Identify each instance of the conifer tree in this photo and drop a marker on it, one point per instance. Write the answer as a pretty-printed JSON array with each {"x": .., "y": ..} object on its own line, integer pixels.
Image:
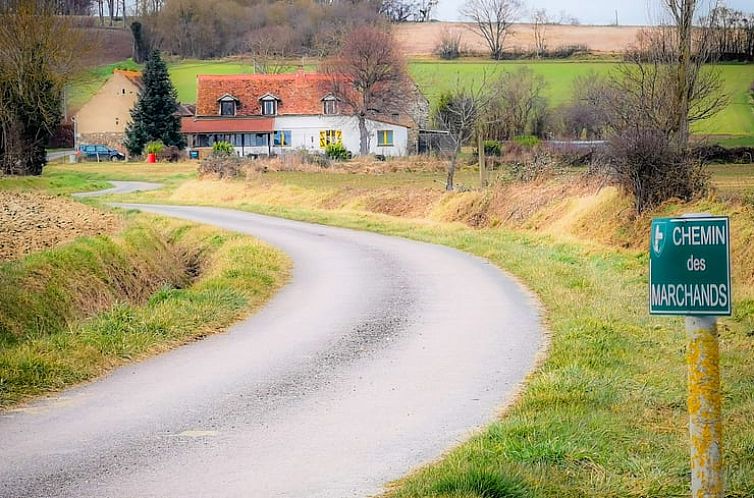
[{"x": 154, "y": 115}]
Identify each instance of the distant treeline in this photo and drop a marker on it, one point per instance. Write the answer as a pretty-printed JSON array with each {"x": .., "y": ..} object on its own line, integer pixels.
[{"x": 732, "y": 33}]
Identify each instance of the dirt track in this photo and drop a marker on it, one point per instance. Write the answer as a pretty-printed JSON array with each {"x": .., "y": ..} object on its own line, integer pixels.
[{"x": 420, "y": 39}]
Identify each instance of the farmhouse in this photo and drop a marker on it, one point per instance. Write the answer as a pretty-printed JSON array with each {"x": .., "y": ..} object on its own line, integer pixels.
[
  {"x": 263, "y": 114},
  {"x": 103, "y": 119}
]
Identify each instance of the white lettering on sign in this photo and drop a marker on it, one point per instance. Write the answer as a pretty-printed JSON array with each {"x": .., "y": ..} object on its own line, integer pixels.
[
  {"x": 689, "y": 295},
  {"x": 697, "y": 235}
]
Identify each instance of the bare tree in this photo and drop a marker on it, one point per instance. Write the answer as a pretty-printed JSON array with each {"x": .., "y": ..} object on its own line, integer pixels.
[
  {"x": 39, "y": 53},
  {"x": 518, "y": 105},
  {"x": 424, "y": 10},
  {"x": 398, "y": 10},
  {"x": 460, "y": 112},
  {"x": 368, "y": 76},
  {"x": 666, "y": 79},
  {"x": 656, "y": 97},
  {"x": 270, "y": 48},
  {"x": 492, "y": 19},
  {"x": 540, "y": 20}
]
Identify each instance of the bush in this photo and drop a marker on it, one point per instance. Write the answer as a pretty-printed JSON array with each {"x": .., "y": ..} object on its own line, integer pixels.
[
  {"x": 542, "y": 165},
  {"x": 449, "y": 45},
  {"x": 337, "y": 152},
  {"x": 222, "y": 148},
  {"x": 222, "y": 166},
  {"x": 527, "y": 141},
  {"x": 492, "y": 147},
  {"x": 154, "y": 147},
  {"x": 722, "y": 155},
  {"x": 645, "y": 165},
  {"x": 170, "y": 154}
]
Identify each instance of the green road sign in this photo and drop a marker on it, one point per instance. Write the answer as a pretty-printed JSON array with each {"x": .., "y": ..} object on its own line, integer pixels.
[{"x": 689, "y": 266}]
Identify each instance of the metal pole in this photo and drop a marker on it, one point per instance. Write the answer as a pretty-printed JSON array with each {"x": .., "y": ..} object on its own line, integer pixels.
[{"x": 704, "y": 405}]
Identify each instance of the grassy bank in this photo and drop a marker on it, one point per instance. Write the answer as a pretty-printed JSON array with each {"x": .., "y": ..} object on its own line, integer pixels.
[
  {"x": 71, "y": 313},
  {"x": 605, "y": 415}
]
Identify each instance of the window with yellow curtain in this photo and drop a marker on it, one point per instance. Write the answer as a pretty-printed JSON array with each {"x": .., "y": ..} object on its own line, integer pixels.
[
  {"x": 384, "y": 138},
  {"x": 327, "y": 137}
]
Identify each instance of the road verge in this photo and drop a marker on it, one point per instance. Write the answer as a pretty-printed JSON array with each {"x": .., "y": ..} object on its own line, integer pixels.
[{"x": 74, "y": 312}]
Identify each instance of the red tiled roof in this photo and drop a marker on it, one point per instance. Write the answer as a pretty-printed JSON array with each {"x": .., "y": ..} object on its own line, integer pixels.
[
  {"x": 227, "y": 125},
  {"x": 299, "y": 93}
]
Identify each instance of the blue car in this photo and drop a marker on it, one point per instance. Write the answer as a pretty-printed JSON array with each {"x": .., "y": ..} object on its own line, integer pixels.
[{"x": 99, "y": 153}]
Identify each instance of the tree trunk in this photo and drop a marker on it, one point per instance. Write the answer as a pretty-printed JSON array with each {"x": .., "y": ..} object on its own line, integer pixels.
[
  {"x": 364, "y": 136},
  {"x": 685, "y": 32},
  {"x": 482, "y": 163},
  {"x": 451, "y": 174}
]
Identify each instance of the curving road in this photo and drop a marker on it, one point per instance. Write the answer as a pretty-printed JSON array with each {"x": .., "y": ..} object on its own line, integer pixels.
[{"x": 380, "y": 354}]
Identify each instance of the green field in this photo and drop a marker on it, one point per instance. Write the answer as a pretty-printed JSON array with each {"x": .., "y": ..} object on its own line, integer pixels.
[{"x": 737, "y": 120}]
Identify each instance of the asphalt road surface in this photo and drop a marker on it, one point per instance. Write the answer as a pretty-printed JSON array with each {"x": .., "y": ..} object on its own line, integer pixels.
[
  {"x": 378, "y": 356},
  {"x": 121, "y": 188}
]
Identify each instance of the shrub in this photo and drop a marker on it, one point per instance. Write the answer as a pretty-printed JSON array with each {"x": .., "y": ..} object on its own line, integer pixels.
[
  {"x": 493, "y": 147},
  {"x": 154, "y": 147},
  {"x": 449, "y": 45},
  {"x": 542, "y": 165},
  {"x": 723, "y": 155},
  {"x": 644, "y": 163},
  {"x": 527, "y": 141},
  {"x": 222, "y": 148},
  {"x": 170, "y": 154},
  {"x": 337, "y": 152},
  {"x": 222, "y": 166}
]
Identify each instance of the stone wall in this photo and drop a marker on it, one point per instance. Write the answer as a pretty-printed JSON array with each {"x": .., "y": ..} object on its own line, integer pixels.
[{"x": 113, "y": 140}]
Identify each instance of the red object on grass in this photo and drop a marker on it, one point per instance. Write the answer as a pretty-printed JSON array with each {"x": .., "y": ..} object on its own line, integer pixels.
[{"x": 151, "y": 157}]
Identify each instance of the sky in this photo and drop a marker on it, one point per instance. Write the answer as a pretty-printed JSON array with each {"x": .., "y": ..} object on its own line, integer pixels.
[{"x": 590, "y": 11}]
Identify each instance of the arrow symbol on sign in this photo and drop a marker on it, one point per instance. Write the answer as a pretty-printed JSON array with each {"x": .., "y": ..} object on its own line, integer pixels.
[{"x": 659, "y": 235}]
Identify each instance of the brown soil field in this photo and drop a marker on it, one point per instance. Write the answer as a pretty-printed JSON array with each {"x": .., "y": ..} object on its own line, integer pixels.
[
  {"x": 419, "y": 39},
  {"x": 32, "y": 222}
]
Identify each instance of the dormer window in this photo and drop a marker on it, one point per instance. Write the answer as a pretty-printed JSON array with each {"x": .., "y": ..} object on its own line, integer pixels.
[
  {"x": 228, "y": 105},
  {"x": 269, "y": 104},
  {"x": 330, "y": 105},
  {"x": 227, "y": 108}
]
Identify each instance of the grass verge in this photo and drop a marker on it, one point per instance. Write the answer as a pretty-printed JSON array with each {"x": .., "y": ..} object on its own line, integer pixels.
[
  {"x": 69, "y": 314},
  {"x": 605, "y": 415}
]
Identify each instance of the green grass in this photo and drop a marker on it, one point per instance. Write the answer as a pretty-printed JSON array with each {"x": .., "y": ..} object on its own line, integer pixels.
[
  {"x": 63, "y": 178},
  {"x": 71, "y": 313},
  {"x": 184, "y": 73},
  {"x": 436, "y": 77}
]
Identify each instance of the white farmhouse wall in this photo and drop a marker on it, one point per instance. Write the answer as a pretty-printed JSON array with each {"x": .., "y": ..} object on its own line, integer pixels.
[{"x": 305, "y": 133}]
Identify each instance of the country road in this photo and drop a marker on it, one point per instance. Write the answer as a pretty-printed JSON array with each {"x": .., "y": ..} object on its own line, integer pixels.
[{"x": 379, "y": 355}]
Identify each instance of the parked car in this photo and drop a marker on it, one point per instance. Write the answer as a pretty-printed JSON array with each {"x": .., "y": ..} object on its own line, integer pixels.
[{"x": 99, "y": 153}]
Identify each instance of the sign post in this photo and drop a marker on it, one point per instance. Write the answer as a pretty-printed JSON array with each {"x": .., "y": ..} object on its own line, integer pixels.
[{"x": 689, "y": 274}]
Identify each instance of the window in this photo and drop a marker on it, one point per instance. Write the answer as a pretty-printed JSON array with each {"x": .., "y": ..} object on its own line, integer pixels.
[
  {"x": 269, "y": 107},
  {"x": 227, "y": 108},
  {"x": 327, "y": 137},
  {"x": 330, "y": 106},
  {"x": 282, "y": 138},
  {"x": 385, "y": 138},
  {"x": 257, "y": 140}
]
